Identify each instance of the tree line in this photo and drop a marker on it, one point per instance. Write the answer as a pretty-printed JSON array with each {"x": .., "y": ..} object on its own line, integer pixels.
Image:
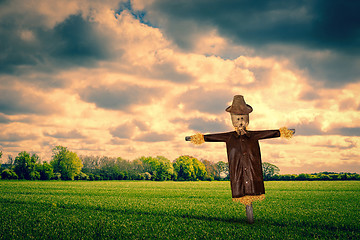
[{"x": 67, "y": 165}]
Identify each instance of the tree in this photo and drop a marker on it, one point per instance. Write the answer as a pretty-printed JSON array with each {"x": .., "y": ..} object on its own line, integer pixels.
[
  {"x": 269, "y": 170},
  {"x": 184, "y": 168},
  {"x": 199, "y": 169},
  {"x": 150, "y": 165},
  {"x": 210, "y": 169},
  {"x": 25, "y": 166},
  {"x": 303, "y": 176},
  {"x": 8, "y": 174},
  {"x": 165, "y": 169},
  {"x": 91, "y": 164},
  {"x": 45, "y": 170},
  {"x": 65, "y": 162},
  {"x": 159, "y": 167},
  {"x": 189, "y": 168},
  {"x": 109, "y": 170},
  {"x": 10, "y": 160}
]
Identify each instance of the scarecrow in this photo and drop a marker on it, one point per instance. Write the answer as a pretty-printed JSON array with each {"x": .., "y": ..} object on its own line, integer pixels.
[{"x": 243, "y": 150}]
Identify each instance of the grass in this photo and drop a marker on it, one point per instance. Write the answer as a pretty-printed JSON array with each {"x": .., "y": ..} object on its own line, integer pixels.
[{"x": 176, "y": 210}]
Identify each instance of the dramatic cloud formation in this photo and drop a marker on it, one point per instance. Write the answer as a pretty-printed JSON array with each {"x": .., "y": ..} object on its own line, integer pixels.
[
  {"x": 321, "y": 36},
  {"x": 133, "y": 78}
]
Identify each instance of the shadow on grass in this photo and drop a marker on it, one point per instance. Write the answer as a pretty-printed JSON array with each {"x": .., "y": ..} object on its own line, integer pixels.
[{"x": 268, "y": 222}]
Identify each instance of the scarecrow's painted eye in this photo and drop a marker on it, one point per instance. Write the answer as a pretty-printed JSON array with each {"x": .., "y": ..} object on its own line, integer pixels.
[
  {"x": 238, "y": 118},
  {"x": 242, "y": 118}
]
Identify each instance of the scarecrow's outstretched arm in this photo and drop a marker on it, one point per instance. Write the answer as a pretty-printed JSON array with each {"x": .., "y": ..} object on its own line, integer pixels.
[{"x": 200, "y": 138}]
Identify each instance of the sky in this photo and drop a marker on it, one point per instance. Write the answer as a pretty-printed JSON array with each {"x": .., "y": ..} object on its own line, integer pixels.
[{"x": 133, "y": 78}]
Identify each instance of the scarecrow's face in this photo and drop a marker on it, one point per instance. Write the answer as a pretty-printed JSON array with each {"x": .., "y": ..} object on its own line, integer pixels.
[{"x": 240, "y": 121}]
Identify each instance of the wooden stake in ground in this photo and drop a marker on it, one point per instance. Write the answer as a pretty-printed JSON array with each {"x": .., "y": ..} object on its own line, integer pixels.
[{"x": 250, "y": 213}]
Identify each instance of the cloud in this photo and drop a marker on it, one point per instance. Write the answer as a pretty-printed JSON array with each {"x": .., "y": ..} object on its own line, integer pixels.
[
  {"x": 154, "y": 137},
  {"x": 13, "y": 101},
  {"x": 208, "y": 101},
  {"x": 137, "y": 131},
  {"x": 141, "y": 125},
  {"x": 348, "y": 104},
  {"x": 120, "y": 98},
  {"x": 169, "y": 71},
  {"x": 4, "y": 118},
  {"x": 73, "y": 134},
  {"x": 118, "y": 141},
  {"x": 309, "y": 95},
  {"x": 348, "y": 143},
  {"x": 17, "y": 137},
  {"x": 76, "y": 41},
  {"x": 204, "y": 125},
  {"x": 310, "y": 128},
  {"x": 125, "y": 130},
  {"x": 347, "y": 131},
  {"x": 353, "y": 165},
  {"x": 328, "y": 31},
  {"x": 321, "y": 24}
]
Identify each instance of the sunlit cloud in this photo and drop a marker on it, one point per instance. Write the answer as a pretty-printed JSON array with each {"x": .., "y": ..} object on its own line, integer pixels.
[{"x": 133, "y": 78}]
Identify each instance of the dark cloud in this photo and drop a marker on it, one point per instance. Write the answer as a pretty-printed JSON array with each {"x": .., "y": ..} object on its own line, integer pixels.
[
  {"x": 17, "y": 102},
  {"x": 119, "y": 141},
  {"x": 314, "y": 128},
  {"x": 154, "y": 137},
  {"x": 255, "y": 22},
  {"x": 308, "y": 128},
  {"x": 204, "y": 125},
  {"x": 73, "y": 134},
  {"x": 214, "y": 101},
  {"x": 352, "y": 157},
  {"x": 125, "y": 130},
  {"x": 309, "y": 95},
  {"x": 335, "y": 69},
  {"x": 17, "y": 137},
  {"x": 4, "y": 118},
  {"x": 349, "y": 145},
  {"x": 26, "y": 42},
  {"x": 120, "y": 99},
  {"x": 77, "y": 39},
  {"x": 293, "y": 26},
  {"x": 347, "y": 131},
  {"x": 348, "y": 104}
]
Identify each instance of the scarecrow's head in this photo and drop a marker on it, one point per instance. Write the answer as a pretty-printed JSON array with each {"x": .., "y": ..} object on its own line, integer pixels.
[{"x": 239, "y": 111}]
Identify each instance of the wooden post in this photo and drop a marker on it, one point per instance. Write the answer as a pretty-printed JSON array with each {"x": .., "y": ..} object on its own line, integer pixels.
[{"x": 250, "y": 213}]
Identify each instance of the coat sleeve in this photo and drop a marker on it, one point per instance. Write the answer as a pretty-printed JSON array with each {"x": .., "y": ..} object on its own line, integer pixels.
[
  {"x": 216, "y": 137},
  {"x": 267, "y": 134}
]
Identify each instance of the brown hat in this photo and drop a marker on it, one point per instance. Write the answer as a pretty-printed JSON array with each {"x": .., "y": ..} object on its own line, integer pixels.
[{"x": 239, "y": 106}]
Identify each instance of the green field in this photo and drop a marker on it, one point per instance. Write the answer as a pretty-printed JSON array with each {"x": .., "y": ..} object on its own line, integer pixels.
[{"x": 176, "y": 210}]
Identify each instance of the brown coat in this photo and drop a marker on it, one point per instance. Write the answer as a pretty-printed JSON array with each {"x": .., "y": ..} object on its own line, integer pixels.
[{"x": 244, "y": 158}]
